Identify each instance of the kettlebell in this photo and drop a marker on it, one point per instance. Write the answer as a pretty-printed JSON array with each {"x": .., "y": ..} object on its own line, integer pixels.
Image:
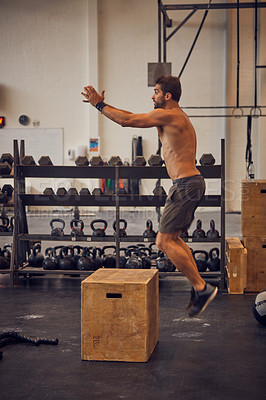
[
  {"x": 201, "y": 258},
  {"x": 134, "y": 260},
  {"x": 77, "y": 252},
  {"x": 109, "y": 259},
  {"x": 154, "y": 253},
  {"x": 76, "y": 231},
  {"x": 163, "y": 263},
  {"x": 57, "y": 231},
  {"x": 50, "y": 261},
  {"x": 85, "y": 262},
  {"x": 4, "y": 264},
  {"x": 66, "y": 260},
  {"x": 122, "y": 231},
  {"x": 35, "y": 259},
  {"x": 98, "y": 232},
  {"x": 149, "y": 232},
  {"x": 199, "y": 232},
  {"x": 214, "y": 260},
  {"x": 96, "y": 257},
  {"x": 122, "y": 258},
  {"x": 5, "y": 223},
  {"x": 11, "y": 224},
  {"x": 212, "y": 232},
  {"x": 145, "y": 254}
]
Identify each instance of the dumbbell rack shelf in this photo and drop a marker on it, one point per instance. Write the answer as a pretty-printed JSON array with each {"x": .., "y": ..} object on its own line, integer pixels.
[{"x": 22, "y": 240}]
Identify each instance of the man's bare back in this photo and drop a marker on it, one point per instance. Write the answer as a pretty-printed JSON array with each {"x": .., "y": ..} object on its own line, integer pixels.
[{"x": 179, "y": 145}]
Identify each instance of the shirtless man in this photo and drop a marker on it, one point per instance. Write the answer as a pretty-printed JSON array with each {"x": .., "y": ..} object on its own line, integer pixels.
[{"x": 178, "y": 141}]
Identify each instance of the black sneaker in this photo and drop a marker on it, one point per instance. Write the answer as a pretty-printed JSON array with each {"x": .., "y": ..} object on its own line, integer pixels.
[{"x": 202, "y": 299}]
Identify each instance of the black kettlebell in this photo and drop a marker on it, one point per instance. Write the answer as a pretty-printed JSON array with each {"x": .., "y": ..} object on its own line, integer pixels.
[
  {"x": 77, "y": 226},
  {"x": 77, "y": 252},
  {"x": 109, "y": 259},
  {"x": 4, "y": 263},
  {"x": 5, "y": 223},
  {"x": 145, "y": 254},
  {"x": 149, "y": 232},
  {"x": 66, "y": 260},
  {"x": 201, "y": 258},
  {"x": 11, "y": 224},
  {"x": 50, "y": 261},
  {"x": 96, "y": 253},
  {"x": 134, "y": 260},
  {"x": 122, "y": 231},
  {"x": 57, "y": 231},
  {"x": 57, "y": 251},
  {"x": 154, "y": 253},
  {"x": 7, "y": 253},
  {"x": 85, "y": 262},
  {"x": 212, "y": 232},
  {"x": 36, "y": 258},
  {"x": 199, "y": 232},
  {"x": 214, "y": 260},
  {"x": 122, "y": 258},
  {"x": 163, "y": 263},
  {"x": 98, "y": 232}
]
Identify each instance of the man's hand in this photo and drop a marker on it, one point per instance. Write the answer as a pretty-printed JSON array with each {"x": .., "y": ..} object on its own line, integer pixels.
[{"x": 92, "y": 96}]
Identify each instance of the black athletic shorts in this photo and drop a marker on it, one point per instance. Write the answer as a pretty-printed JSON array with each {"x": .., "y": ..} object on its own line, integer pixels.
[{"x": 183, "y": 199}]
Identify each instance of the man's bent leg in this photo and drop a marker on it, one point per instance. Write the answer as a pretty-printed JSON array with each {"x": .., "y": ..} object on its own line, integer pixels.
[{"x": 180, "y": 257}]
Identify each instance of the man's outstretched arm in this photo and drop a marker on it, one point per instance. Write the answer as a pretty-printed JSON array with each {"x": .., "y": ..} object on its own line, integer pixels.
[{"x": 125, "y": 118}]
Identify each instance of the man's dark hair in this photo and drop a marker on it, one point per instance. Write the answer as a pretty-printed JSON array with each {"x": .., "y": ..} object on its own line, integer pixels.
[{"x": 170, "y": 84}]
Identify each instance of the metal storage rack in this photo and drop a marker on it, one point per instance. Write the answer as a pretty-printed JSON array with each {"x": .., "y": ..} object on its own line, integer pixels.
[{"x": 23, "y": 240}]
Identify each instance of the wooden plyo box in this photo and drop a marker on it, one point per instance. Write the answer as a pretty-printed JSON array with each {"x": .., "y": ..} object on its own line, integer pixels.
[
  {"x": 253, "y": 208},
  {"x": 256, "y": 263},
  {"x": 119, "y": 315},
  {"x": 236, "y": 265}
]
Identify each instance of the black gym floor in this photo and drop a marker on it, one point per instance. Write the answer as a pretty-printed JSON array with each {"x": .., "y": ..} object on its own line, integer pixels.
[{"x": 219, "y": 355}]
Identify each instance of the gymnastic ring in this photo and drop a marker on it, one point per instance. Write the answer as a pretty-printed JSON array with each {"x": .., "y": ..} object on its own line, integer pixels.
[
  {"x": 256, "y": 115},
  {"x": 237, "y": 115}
]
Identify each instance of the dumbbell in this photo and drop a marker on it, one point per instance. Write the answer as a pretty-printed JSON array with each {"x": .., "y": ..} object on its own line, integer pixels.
[
  {"x": 28, "y": 160},
  {"x": 57, "y": 231},
  {"x": 75, "y": 231},
  {"x": 82, "y": 161},
  {"x": 84, "y": 192},
  {"x": 48, "y": 191},
  {"x": 7, "y": 157},
  {"x": 115, "y": 160},
  {"x": 212, "y": 232},
  {"x": 45, "y": 160},
  {"x": 98, "y": 232},
  {"x": 72, "y": 192},
  {"x": 6, "y": 162},
  {"x": 207, "y": 159},
  {"x": 155, "y": 160},
  {"x": 61, "y": 191},
  {"x": 96, "y": 161},
  {"x": 199, "y": 232},
  {"x": 122, "y": 231},
  {"x": 139, "y": 161}
]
